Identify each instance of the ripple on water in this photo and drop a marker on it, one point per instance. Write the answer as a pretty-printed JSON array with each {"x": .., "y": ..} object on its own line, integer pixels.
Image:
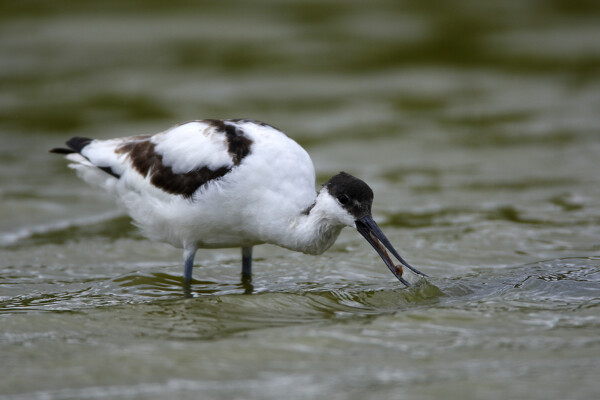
[
  {"x": 552, "y": 293},
  {"x": 155, "y": 304},
  {"x": 215, "y": 316}
]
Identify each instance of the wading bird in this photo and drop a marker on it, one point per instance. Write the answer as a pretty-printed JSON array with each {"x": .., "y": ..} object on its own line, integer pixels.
[{"x": 228, "y": 183}]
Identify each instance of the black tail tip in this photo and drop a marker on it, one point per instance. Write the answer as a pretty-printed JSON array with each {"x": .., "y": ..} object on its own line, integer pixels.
[
  {"x": 76, "y": 144},
  {"x": 61, "y": 150}
]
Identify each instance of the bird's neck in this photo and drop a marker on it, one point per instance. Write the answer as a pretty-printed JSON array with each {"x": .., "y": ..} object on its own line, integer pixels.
[{"x": 312, "y": 231}]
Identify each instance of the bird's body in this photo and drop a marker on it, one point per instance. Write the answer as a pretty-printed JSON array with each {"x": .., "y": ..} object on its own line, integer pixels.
[{"x": 221, "y": 183}]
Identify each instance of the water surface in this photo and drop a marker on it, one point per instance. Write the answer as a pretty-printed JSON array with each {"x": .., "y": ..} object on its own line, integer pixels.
[{"x": 476, "y": 126}]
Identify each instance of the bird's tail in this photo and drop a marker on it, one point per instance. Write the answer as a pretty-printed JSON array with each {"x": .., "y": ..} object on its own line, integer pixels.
[
  {"x": 86, "y": 168},
  {"x": 76, "y": 144}
]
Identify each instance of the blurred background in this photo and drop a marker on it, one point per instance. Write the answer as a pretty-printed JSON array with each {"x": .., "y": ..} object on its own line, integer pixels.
[{"x": 476, "y": 124}]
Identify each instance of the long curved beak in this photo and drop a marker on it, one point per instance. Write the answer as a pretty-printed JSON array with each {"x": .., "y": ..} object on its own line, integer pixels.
[{"x": 369, "y": 229}]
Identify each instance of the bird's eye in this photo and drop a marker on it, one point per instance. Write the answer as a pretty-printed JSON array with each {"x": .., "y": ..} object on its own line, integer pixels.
[{"x": 343, "y": 199}]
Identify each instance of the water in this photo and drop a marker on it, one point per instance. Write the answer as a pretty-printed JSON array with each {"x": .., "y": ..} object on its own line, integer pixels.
[{"x": 475, "y": 124}]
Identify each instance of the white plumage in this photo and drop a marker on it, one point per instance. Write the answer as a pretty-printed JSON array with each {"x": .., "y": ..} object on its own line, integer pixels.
[{"x": 227, "y": 183}]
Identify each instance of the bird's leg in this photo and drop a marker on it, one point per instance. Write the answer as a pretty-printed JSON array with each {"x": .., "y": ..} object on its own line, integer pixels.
[
  {"x": 247, "y": 270},
  {"x": 246, "y": 262},
  {"x": 188, "y": 255}
]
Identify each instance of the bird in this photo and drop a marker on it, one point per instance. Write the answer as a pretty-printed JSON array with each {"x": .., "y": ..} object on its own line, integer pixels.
[{"x": 225, "y": 183}]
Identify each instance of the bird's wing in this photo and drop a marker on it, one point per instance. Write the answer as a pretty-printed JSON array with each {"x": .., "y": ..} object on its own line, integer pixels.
[{"x": 177, "y": 161}]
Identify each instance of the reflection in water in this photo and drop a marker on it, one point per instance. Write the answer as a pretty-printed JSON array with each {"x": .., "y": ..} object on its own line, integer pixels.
[
  {"x": 189, "y": 291},
  {"x": 247, "y": 284}
]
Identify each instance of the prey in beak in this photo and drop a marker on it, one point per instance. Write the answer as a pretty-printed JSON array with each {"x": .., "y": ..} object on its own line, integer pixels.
[
  {"x": 367, "y": 227},
  {"x": 354, "y": 199}
]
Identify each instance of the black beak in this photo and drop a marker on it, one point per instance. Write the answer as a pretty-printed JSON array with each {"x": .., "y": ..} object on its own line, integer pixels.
[{"x": 369, "y": 229}]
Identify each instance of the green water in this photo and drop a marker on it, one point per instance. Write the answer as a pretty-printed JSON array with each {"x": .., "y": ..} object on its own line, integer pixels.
[{"x": 476, "y": 125}]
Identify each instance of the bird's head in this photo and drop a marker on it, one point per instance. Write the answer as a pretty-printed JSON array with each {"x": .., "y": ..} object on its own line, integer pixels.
[{"x": 349, "y": 201}]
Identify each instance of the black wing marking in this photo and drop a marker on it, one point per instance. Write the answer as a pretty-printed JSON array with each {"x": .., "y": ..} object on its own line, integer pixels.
[{"x": 148, "y": 162}]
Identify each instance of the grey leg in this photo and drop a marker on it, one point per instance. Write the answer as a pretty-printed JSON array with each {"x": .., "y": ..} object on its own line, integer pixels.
[
  {"x": 188, "y": 255},
  {"x": 246, "y": 262}
]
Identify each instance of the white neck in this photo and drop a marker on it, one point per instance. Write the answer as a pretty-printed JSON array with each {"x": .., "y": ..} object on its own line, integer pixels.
[{"x": 315, "y": 231}]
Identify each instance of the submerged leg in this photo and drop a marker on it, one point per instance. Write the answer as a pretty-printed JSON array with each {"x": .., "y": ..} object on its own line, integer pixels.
[
  {"x": 246, "y": 262},
  {"x": 247, "y": 270},
  {"x": 188, "y": 255}
]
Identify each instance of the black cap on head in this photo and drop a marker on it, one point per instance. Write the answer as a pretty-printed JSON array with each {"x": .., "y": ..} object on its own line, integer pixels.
[{"x": 353, "y": 194}]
